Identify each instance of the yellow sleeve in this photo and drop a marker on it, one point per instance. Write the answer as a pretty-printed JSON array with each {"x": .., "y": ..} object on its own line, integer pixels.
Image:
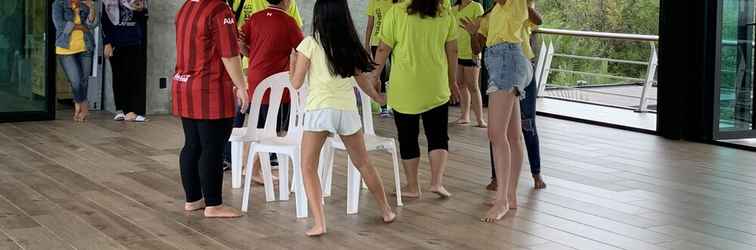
[
  {"x": 478, "y": 10},
  {"x": 294, "y": 12},
  {"x": 388, "y": 28},
  {"x": 483, "y": 29},
  {"x": 371, "y": 8},
  {"x": 453, "y": 31},
  {"x": 307, "y": 46}
]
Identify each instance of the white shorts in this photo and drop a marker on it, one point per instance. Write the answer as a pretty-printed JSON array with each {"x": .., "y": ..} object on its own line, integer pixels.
[{"x": 332, "y": 121}]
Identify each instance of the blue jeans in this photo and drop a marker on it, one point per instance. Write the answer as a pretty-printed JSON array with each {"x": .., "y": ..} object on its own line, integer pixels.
[
  {"x": 77, "y": 67},
  {"x": 529, "y": 131}
]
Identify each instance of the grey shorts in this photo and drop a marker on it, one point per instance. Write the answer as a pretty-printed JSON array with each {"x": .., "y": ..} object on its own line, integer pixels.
[
  {"x": 336, "y": 122},
  {"x": 508, "y": 68}
]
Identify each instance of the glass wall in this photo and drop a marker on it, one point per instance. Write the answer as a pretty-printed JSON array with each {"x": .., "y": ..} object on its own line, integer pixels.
[
  {"x": 24, "y": 60},
  {"x": 736, "y": 68}
]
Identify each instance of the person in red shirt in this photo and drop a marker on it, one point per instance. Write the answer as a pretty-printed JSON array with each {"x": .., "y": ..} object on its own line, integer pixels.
[
  {"x": 267, "y": 39},
  {"x": 208, "y": 67}
]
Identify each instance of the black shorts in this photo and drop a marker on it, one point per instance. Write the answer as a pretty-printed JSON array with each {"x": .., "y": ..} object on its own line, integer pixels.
[
  {"x": 468, "y": 63},
  {"x": 435, "y": 123}
]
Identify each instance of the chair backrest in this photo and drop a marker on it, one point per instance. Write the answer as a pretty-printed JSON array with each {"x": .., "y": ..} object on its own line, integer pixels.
[
  {"x": 367, "y": 111},
  {"x": 276, "y": 84}
]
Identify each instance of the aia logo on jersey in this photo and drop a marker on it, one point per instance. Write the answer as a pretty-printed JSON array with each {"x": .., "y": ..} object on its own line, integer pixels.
[{"x": 228, "y": 21}]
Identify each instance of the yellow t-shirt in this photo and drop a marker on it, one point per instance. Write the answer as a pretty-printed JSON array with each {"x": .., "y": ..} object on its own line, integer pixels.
[
  {"x": 505, "y": 23},
  {"x": 76, "y": 44},
  {"x": 325, "y": 91},
  {"x": 527, "y": 49},
  {"x": 419, "y": 72},
  {"x": 377, "y": 9},
  {"x": 464, "y": 44},
  {"x": 253, "y": 6}
]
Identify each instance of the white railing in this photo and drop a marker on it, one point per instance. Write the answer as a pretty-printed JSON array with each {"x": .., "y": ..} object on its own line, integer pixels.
[{"x": 548, "y": 52}]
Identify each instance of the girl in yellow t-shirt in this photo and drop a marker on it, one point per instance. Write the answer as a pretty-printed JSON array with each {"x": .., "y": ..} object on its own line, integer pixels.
[
  {"x": 509, "y": 73},
  {"x": 330, "y": 61},
  {"x": 468, "y": 69}
]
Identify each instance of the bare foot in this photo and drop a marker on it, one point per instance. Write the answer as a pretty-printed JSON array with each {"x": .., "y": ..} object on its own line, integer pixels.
[
  {"x": 260, "y": 181},
  {"x": 490, "y": 202},
  {"x": 221, "y": 211},
  {"x": 481, "y": 124},
  {"x": 492, "y": 186},
  {"x": 194, "y": 206},
  {"x": 512, "y": 202},
  {"x": 83, "y": 112},
  {"x": 539, "y": 184},
  {"x": 130, "y": 117},
  {"x": 316, "y": 230},
  {"x": 407, "y": 192},
  {"x": 389, "y": 217},
  {"x": 461, "y": 121},
  {"x": 495, "y": 213},
  {"x": 441, "y": 192},
  {"x": 77, "y": 111}
]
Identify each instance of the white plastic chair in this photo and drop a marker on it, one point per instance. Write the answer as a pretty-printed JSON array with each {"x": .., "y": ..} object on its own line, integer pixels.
[
  {"x": 287, "y": 146},
  {"x": 354, "y": 179}
]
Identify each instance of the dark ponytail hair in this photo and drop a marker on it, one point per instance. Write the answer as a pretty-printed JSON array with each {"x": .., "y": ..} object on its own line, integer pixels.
[
  {"x": 333, "y": 28},
  {"x": 424, "y": 8}
]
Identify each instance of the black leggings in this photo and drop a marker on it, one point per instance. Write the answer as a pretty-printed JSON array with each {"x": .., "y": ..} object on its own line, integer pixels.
[
  {"x": 202, "y": 159},
  {"x": 129, "y": 67},
  {"x": 436, "y": 131}
]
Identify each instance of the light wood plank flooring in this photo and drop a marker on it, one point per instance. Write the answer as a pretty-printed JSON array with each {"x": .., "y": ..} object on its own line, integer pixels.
[{"x": 114, "y": 185}]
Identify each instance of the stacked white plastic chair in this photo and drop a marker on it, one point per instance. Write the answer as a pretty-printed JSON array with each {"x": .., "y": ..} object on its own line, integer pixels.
[
  {"x": 354, "y": 179},
  {"x": 286, "y": 147}
]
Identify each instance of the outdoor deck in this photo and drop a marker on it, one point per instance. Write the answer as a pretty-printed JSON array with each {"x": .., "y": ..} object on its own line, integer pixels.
[{"x": 113, "y": 185}]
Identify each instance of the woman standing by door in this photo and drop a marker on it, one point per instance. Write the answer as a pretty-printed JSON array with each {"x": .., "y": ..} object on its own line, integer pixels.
[
  {"x": 74, "y": 43},
  {"x": 124, "y": 39}
]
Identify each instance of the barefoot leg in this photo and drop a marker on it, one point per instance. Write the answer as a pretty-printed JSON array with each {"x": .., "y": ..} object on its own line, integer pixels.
[
  {"x": 438, "y": 167},
  {"x": 77, "y": 111},
  {"x": 514, "y": 135},
  {"x": 464, "y": 99},
  {"x": 476, "y": 101},
  {"x": 312, "y": 142},
  {"x": 84, "y": 111},
  {"x": 194, "y": 206},
  {"x": 355, "y": 145},
  {"x": 500, "y": 113}
]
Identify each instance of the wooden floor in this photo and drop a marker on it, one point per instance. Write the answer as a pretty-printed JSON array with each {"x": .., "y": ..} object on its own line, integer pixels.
[{"x": 112, "y": 185}]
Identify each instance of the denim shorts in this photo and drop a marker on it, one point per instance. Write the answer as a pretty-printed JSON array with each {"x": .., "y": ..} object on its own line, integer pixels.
[{"x": 508, "y": 68}]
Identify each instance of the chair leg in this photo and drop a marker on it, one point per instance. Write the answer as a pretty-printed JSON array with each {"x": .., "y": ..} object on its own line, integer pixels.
[
  {"x": 283, "y": 177},
  {"x": 236, "y": 164},
  {"x": 247, "y": 184},
  {"x": 270, "y": 194},
  {"x": 326, "y": 165},
  {"x": 299, "y": 193},
  {"x": 397, "y": 177},
  {"x": 354, "y": 180}
]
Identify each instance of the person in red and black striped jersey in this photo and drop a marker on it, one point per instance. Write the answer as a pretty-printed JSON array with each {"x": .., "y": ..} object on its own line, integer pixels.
[{"x": 208, "y": 72}]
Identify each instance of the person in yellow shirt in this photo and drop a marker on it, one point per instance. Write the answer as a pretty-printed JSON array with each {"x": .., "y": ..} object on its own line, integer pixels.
[
  {"x": 528, "y": 106},
  {"x": 245, "y": 8},
  {"x": 376, "y": 11},
  {"x": 421, "y": 35},
  {"x": 74, "y": 21},
  {"x": 332, "y": 59},
  {"x": 469, "y": 65},
  {"x": 509, "y": 72}
]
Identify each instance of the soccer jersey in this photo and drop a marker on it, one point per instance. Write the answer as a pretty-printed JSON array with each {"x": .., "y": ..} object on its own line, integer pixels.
[{"x": 205, "y": 33}]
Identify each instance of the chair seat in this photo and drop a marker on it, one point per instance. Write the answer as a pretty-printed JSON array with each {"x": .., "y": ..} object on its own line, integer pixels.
[
  {"x": 372, "y": 143},
  {"x": 240, "y": 135}
]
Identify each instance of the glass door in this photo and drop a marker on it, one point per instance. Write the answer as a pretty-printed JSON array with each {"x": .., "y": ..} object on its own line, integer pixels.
[
  {"x": 734, "y": 111},
  {"x": 26, "y": 60}
]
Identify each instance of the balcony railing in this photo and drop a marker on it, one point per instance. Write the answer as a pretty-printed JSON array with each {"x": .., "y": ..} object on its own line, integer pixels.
[{"x": 636, "y": 91}]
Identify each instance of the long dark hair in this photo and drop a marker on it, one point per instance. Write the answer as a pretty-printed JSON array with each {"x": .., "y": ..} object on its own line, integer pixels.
[
  {"x": 424, "y": 8},
  {"x": 332, "y": 24}
]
